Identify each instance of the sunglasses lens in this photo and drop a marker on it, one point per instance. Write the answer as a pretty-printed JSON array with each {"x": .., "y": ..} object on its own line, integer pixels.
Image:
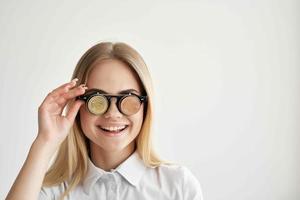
[
  {"x": 130, "y": 105},
  {"x": 97, "y": 104}
]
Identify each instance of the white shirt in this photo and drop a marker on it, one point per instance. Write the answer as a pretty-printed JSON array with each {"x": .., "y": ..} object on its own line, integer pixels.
[{"x": 132, "y": 180}]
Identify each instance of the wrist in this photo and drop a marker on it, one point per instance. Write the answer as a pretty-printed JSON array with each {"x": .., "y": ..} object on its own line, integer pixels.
[{"x": 44, "y": 147}]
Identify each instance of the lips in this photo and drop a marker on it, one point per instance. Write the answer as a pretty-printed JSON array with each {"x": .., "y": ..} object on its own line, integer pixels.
[{"x": 114, "y": 130}]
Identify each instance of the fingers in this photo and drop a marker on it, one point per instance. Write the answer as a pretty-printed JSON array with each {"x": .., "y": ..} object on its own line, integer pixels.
[
  {"x": 74, "y": 110},
  {"x": 64, "y": 88},
  {"x": 56, "y": 93},
  {"x": 64, "y": 98}
]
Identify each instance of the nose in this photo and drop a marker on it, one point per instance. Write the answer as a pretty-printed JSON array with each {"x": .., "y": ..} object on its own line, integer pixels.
[{"x": 113, "y": 111}]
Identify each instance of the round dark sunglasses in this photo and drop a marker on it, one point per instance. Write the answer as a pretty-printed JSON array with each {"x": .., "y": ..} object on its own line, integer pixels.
[{"x": 98, "y": 103}]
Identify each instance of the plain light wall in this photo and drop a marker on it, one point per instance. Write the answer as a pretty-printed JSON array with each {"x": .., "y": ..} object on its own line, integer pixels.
[{"x": 226, "y": 75}]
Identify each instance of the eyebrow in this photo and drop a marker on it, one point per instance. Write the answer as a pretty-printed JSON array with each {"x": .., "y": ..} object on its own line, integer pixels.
[{"x": 120, "y": 92}]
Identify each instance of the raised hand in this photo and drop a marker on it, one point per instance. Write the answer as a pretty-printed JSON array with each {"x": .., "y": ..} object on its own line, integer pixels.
[{"x": 53, "y": 126}]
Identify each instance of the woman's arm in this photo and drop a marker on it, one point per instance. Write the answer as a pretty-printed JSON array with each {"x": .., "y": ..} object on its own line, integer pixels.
[
  {"x": 29, "y": 181},
  {"x": 53, "y": 128}
]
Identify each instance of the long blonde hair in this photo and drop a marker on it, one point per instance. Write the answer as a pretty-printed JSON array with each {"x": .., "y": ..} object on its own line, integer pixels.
[{"x": 75, "y": 148}]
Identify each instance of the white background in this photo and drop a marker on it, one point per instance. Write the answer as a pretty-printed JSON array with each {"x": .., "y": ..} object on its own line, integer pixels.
[{"x": 226, "y": 75}]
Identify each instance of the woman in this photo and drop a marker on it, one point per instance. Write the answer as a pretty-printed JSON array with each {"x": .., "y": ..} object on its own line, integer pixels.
[{"x": 103, "y": 137}]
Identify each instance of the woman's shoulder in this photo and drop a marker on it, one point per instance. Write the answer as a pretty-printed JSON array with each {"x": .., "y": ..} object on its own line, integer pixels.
[
  {"x": 180, "y": 176},
  {"x": 175, "y": 171},
  {"x": 171, "y": 169},
  {"x": 52, "y": 192}
]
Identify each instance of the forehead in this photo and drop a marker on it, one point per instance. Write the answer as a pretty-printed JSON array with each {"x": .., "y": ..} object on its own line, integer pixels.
[{"x": 113, "y": 76}]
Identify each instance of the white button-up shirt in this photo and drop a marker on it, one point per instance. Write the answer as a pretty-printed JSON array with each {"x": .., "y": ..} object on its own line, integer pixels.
[{"x": 132, "y": 180}]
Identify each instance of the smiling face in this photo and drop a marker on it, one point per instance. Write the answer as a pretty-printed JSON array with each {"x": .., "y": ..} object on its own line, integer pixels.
[{"x": 113, "y": 77}]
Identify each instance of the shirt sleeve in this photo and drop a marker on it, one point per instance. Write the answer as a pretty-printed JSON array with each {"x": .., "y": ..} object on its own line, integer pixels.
[
  {"x": 191, "y": 187},
  {"x": 53, "y": 192}
]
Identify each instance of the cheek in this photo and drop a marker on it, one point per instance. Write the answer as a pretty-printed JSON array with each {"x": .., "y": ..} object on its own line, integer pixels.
[
  {"x": 85, "y": 120},
  {"x": 137, "y": 121}
]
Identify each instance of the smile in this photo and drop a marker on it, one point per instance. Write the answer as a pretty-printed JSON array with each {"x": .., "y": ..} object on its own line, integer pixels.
[{"x": 113, "y": 130}]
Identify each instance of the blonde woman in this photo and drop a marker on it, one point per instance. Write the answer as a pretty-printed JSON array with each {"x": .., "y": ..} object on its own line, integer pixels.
[{"x": 100, "y": 123}]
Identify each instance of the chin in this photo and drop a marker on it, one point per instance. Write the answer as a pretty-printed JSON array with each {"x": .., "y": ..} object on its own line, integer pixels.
[{"x": 113, "y": 146}]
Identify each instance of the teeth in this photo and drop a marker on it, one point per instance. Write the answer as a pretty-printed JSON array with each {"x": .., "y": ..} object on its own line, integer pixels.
[{"x": 111, "y": 128}]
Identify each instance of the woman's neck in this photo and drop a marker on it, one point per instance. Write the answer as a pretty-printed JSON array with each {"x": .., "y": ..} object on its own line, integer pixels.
[{"x": 108, "y": 160}]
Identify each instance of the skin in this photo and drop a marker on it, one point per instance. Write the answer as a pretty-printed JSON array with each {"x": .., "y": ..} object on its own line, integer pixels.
[
  {"x": 53, "y": 128},
  {"x": 107, "y": 153},
  {"x": 112, "y": 76}
]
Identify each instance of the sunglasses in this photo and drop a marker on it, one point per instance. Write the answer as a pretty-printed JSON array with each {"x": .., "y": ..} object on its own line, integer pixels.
[{"x": 98, "y": 103}]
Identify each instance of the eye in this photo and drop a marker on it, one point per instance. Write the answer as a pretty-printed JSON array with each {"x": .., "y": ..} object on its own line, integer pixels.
[
  {"x": 130, "y": 105},
  {"x": 97, "y": 104}
]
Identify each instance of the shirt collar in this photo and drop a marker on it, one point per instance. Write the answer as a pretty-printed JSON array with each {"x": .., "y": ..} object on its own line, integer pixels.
[{"x": 131, "y": 169}]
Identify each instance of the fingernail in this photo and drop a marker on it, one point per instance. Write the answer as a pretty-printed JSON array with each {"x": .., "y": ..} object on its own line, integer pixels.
[
  {"x": 82, "y": 85},
  {"x": 75, "y": 80}
]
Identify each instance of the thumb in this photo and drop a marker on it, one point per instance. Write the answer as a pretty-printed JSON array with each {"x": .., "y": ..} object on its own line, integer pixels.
[{"x": 74, "y": 110}]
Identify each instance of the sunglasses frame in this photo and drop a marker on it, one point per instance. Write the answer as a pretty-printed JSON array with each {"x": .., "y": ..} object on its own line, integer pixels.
[{"x": 120, "y": 97}]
